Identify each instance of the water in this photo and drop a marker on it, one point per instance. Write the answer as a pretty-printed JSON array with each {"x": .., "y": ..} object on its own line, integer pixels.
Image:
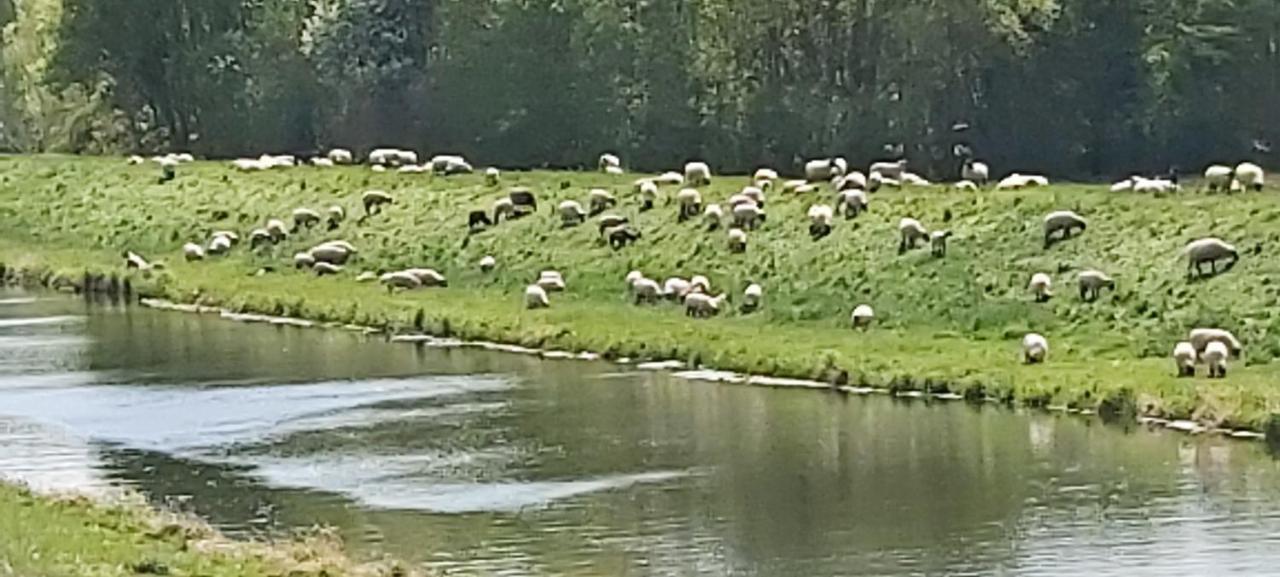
[{"x": 477, "y": 463}]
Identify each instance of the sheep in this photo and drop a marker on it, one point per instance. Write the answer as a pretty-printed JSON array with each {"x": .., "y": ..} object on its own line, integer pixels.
[
  {"x": 938, "y": 243},
  {"x": 794, "y": 185},
  {"x": 1200, "y": 338},
  {"x": 632, "y": 277},
  {"x": 913, "y": 179},
  {"x": 854, "y": 202},
  {"x": 1035, "y": 349},
  {"x": 320, "y": 162},
  {"x": 259, "y": 237},
  {"x": 384, "y": 157},
  {"x": 697, "y": 174},
  {"x": 1184, "y": 358},
  {"x": 326, "y": 269},
  {"x": 976, "y": 172},
  {"x": 673, "y": 179},
  {"x": 535, "y": 297},
  {"x": 571, "y": 214},
  {"x": 503, "y": 207},
  {"x": 748, "y": 215},
  {"x": 403, "y": 280},
  {"x": 303, "y": 260},
  {"x": 862, "y": 316},
  {"x": 737, "y": 240},
  {"x": 488, "y": 263},
  {"x": 135, "y": 160},
  {"x": 609, "y": 221},
  {"x": 699, "y": 283},
  {"x": 648, "y": 194},
  {"x": 853, "y": 181},
  {"x": 478, "y": 220},
  {"x": 608, "y": 160},
  {"x": 676, "y": 288},
  {"x": 889, "y": 170},
  {"x": 1064, "y": 222},
  {"x": 621, "y": 236},
  {"x": 277, "y": 229},
  {"x": 1041, "y": 286},
  {"x": 232, "y": 237},
  {"x": 219, "y": 245},
  {"x": 909, "y": 231},
  {"x": 450, "y": 164},
  {"x": 599, "y": 199},
  {"x": 820, "y": 217},
  {"x": 1215, "y": 356},
  {"x": 754, "y": 194},
  {"x": 342, "y": 244},
  {"x": 551, "y": 280},
  {"x": 712, "y": 215},
  {"x": 1018, "y": 181},
  {"x": 752, "y": 298},
  {"x": 701, "y": 305},
  {"x": 1091, "y": 284},
  {"x": 373, "y": 200},
  {"x": 1209, "y": 250},
  {"x": 428, "y": 277},
  {"x": 492, "y": 176},
  {"x": 192, "y": 251},
  {"x": 690, "y": 202},
  {"x": 1143, "y": 185},
  {"x": 1218, "y": 177},
  {"x": 822, "y": 170},
  {"x": 1125, "y": 185},
  {"x": 304, "y": 218},
  {"x": 521, "y": 196},
  {"x": 646, "y": 290},
  {"x": 328, "y": 253},
  {"x": 247, "y": 165},
  {"x": 341, "y": 156},
  {"x": 764, "y": 175},
  {"x": 1250, "y": 176}
]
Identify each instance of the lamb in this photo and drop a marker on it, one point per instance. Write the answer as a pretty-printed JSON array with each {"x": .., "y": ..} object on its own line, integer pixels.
[
  {"x": 428, "y": 277},
  {"x": 690, "y": 202},
  {"x": 326, "y": 269},
  {"x": 853, "y": 201},
  {"x": 192, "y": 251},
  {"x": 701, "y": 305},
  {"x": 373, "y": 201},
  {"x": 862, "y": 316},
  {"x": 1250, "y": 176},
  {"x": 392, "y": 157},
  {"x": 822, "y": 170},
  {"x": 648, "y": 194},
  {"x": 1209, "y": 250},
  {"x": 1216, "y": 355},
  {"x": 1035, "y": 349},
  {"x": 737, "y": 240},
  {"x": 342, "y": 244},
  {"x": 609, "y": 221},
  {"x": 571, "y": 214},
  {"x": 697, "y": 174},
  {"x": 551, "y": 280},
  {"x": 622, "y": 236},
  {"x": 535, "y": 297},
  {"x": 303, "y": 260},
  {"x": 712, "y": 215},
  {"x": 910, "y": 230},
  {"x": 403, "y": 280},
  {"x": 304, "y": 218},
  {"x": 336, "y": 215},
  {"x": 976, "y": 172},
  {"x": 820, "y": 217},
  {"x": 674, "y": 179},
  {"x": 889, "y": 170},
  {"x": 748, "y": 215},
  {"x": 478, "y": 220},
  {"x": 938, "y": 243},
  {"x": 1200, "y": 339},
  {"x": 752, "y": 298},
  {"x": 521, "y": 196},
  {"x": 277, "y": 230},
  {"x": 599, "y": 199},
  {"x": 1064, "y": 222},
  {"x": 492, "y": 176},
  {"x": 341, "y": 156},
  {"x": 1091, "y": 284},
  {"x": 1184, "y": 358},
  {"x": 646, "y": 290},
  {"x": 487, "y": 264},
  {"x": 1041, "y": 286},
  {"x": 608, "y": 160}
]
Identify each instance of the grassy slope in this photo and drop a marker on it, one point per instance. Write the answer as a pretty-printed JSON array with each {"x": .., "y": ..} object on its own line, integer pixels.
[{"x": 953, "y": 323}]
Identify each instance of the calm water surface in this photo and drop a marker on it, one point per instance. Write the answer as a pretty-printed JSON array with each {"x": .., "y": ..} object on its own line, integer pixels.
[{"x": 475, "y": 463}]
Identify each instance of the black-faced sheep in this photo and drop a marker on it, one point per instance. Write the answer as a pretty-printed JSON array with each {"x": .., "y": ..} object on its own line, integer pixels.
[
  {"x": 701, "y": 305},
  {"x": 599, "y": 200},
  {"x": 1041, "y": 286},
  {"x": 522, "y": 196},
  {"x": 820, "y": 218},
  {"x": 1215, "y": 356},
  {"x": 478, "y": 220},
  {"x": 373, "y": 201},
  {"x": 697, "y": 174},
  {"x": 909, "y": 231},
  {"x": 1062, "y": 223},
  {"x": 1035, "y": 349},
  {"x": 690, "y": 203},
  {"x": 622, "y": 236},
  {"x": 1210, "y": 250},
  {"x": 571, "y": 214},
  {"x": 938, "y": 242},
  {"x": 1091, "y": 284},
  {"x": 1184, "y": 358},
  {"x": 535, "y": 297}
]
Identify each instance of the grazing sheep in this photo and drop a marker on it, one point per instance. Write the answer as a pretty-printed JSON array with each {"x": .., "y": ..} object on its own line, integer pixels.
[
  {"x": 862, "y": 316},
  {"x": 1215, "y": 356},
  {"x": 478, "y": 220},
  {"x": 336, "y": 215},
  {"x": 1218, "y": 177},
  {"x": 332, "y": 254},
  {"x": 535, "y": 297},
  {"x": 754, "y": 194},
  {"x": 648, "y": 194},
  {"x": 1143, "y": 185},
  {"x": 820, "y": 217},
  {"x": 690, "y": 202},
  {"x": 674, "y": 179},
  {"x": 1184, "y": 358},
  {"x": 676, "y": 288},
  {"x": 697, "y": 174},
  {"x": 599, "y": 199},
  {"x": 737, "y": 240},
  {"x": 822, "y": 170},
  {"x": 259, "y": 237},
  {"x": 764, "y": 175},
  {"x": 889, "y": 170},
  {"x": 622, "y": 236},
  {"x": 503, "y": 207},
  {"x": 220, "y": 245},
  {"x": 341, "y": 156},
  {"x": 609, "y": 221},
  {"x": 853, "y": 181},
  {"x": 492, "y": 176},
  {"x": 938, "y": 243},
  {"x": 1209, "y": 250},
  {"x": 428, "y": 277},
  {"x": 608, "y": 160},
  {"x": 748, "y": 215},
  {"x": 702, "y": 305},
  {"x": 646, "y": 290},
  {"x": 699, "y": 283},
  {"x": 304, "y": 218},
  {"x": 909, "y": 231},
  {"x": 551, "y": 280},
  {"x": 1200, "y": 338},
  {"x": 403, "y": 280},
  {"x": 853, "y": 201},
  {"x": 373, "y": 201},
  {"x": 1035, "y": 349},
  {"x": 571, "y": 214},
  {"x": 277, "y": 229},
  {"x": 1018, "y": 181},
  {"x": 752, "y": 298},
  {"x": 488, "y": 263},
  {"x": 1091, "y": 284},
  {"x": 450, "y": 164},
  {"x": 192, "y": 251},
  {"x": 1063, "y": 222},
  {"x": 521, "y": 196},
  {"x": 303, "y": 260},
  {"x": 1250, "y": 176},
  {"x": 1041, "y": 286},
  {"x": 633, "y": 276},
  {"x": 133, "y": 260},
  {"x": 712, "y": 215},
  {"x": 976, "y": 172},
  {"x": 319, "y": 162},
  {"x": 326, "y": 269}
]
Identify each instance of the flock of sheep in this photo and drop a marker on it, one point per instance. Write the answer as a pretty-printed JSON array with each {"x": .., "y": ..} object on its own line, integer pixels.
[{"x": 744, "y": 212}]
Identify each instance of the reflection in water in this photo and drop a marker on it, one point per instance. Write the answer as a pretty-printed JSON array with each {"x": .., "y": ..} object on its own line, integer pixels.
[{"x": 481, "y": 463}]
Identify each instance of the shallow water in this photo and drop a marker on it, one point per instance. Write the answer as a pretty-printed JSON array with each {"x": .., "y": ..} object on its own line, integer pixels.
[{"x": 491, "y": 464}]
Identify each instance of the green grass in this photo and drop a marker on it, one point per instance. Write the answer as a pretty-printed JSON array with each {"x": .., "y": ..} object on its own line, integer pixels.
[
  {"x": 69, "y": 537},
  {"x": 943, "y": 324}
]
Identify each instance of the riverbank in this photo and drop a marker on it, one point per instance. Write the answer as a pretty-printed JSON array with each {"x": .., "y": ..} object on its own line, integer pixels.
[
  {"x": 950, "y": 325},
  {"x": 75, "y": 536}
]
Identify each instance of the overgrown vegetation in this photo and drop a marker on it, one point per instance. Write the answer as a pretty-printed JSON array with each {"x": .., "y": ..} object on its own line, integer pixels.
[{"x": 951, "y": 324}]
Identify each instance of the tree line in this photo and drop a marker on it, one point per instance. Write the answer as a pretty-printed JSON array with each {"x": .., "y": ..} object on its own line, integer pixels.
[{"x": 1079, "y": 88}]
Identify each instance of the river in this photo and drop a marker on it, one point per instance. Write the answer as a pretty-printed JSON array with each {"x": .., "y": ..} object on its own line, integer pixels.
[{"x": 478, "y": 463}]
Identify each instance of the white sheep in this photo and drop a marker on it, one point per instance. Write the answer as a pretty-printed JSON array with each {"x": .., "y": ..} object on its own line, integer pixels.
[
  {"x": 712, "y": 215},
  {"x": 303, "y": 260},
  {"x": 571, "y": 213},
  {"x": 607, "y": 161},
  {"x": 754, "y": 194},
  {"x": 976, "y": 172},
  {"x": 854, "y": 202},
  {"x": 1092, "y": 282},
  {"x": 219, "y": 245},
  {"x": 699, "y": 283},
  {"x": 551, "y": 280},
  {"x": 1250, "y": 176},
  {"x": 764, "y": 185},
  {"x": 646, "y": 290},
  {"x": 822, "y": 170},
  {"x": 378, "y": 168},
  {"x": 248, "y": 165},
  {"x": 690, "y": 203},
  {"x": 232, "y": 237},
  {"x": 326, "y": 269},
  {"x": 135, "y": 160},
  {"x": 492, "y": 176},
  {"x": 1184, "y": 358},
  {"x": 259, "y": 237},
  {"x": 632, "y": 277},
  {"x": 428, "y": 277},
  {"x": 1035, "y": 349},
  {"x": 820, "y": 219},
  {"x": 889, "y": 170},
  {"x": 400, "y": 280},
  {"x": 1143, "y": 185},
  {"x": 599, "y": 199},
  {"x": 794, "y": 185},
  {"x": 488, "y": 263},
  {"x": 648, "y": 194},
  {"x": 535, "y": 297},
  {"x": 737, "y": 240},
  {"x": 192, "y": 251},
  {"x": 1209, "y": 250},
  {"x": 752, "y": 298},
  {"x": 342, "y": 244},
  {"x": 1218, "y": 177},
  {"x": 413, "y": 169},
  {"x": 384, "y": 157},
  {"x": 503, "y": 207},
  {"x": 748, "y": 215},
  {"x": 862, "y": 316},
  {"x": 1215, "y": 356},
  {"x": 341, "y": 156},
  {"x": 277, "y": 229},
  {"x": 1041, "y": 286},
  {"x": 373, "y": 200},
  {"x": 335, "y": 214},
  {"x": 676, "y": 288},
  {"x": 697, "y": 174},
  {"x": 328, "y": 253},
  {"x": 304, "y": 218},
  {"x": 938, "y": 243},
  {"x": 909, "y": 231},
  {"x": 1125, "y": 185},
  {"x": 1018, "y": 181},
  {"x": 1062, "y": 223},
  {"x": 702, "y": 305},
  {"x": 673, "y": 179},
  {"x": 853, "y": 180},
  {"x": 764, "y": 175},
  {"x": 1200, "y": 338}
]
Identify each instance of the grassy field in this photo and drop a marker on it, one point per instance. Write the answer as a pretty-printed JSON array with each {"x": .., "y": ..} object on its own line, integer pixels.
[
  {"x": 943, "y": 324},
  {"x": 73, "y": 537}
]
